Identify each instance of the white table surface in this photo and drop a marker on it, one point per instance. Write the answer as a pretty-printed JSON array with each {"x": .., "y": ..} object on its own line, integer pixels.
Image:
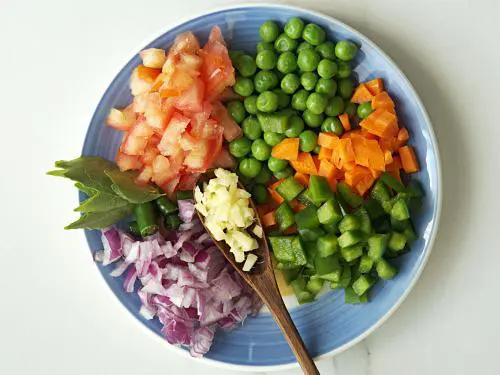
[{"x": 58, "y": 317}]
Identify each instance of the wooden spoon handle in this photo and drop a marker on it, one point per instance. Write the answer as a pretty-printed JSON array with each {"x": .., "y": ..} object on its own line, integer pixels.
[{"x": 275, "y": 303}]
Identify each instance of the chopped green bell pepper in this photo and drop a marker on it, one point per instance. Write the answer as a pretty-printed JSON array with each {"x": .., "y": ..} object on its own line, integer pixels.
[
  {"x": 329, "y": 213},
  {"x": 351, "y": 237},
  {"x": 307, "y": 218},
  {"x": 327, "y": 245},
  {"x": 349, "y": 222},
  {"x": 284, "y": 216},
  {"x": 328, "y": 268},
  {"x": 319, "y": 189},
  {"x": 289, "y": 189},
  {"x": 288, "y": 249},
  {"x": 351, "y": 253},
  {"x": 349, "y": 195}
]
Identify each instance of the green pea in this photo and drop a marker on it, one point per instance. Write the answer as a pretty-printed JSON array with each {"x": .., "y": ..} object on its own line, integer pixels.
[
  {"x": 345, "y": 69},
  {"x": 294, "y": 28},
  {"x": 251, "y": 128},
  {"x": 287, "y": 172},
  {"x": 245, "y": 65},
  {"x": 316, "y": 103},
  {"x": 250, "y": 104},
  {"x": 346, "y": 88},
  {"x": 308, "y": 80},
  {"x": 350, "y": 109},
  {"x": 269, "y": 31},
  {"x": 290, "y": 83},
  {"x": 243, "y": 86},
  {"x": 237, "y": 110},
  {"x": 308, "y": 60},
  {"x": 272, "y": 139},
  {"x": 327, "y": 68},
  {"x": 317, "y": 149},
  {"x": 264, "y": 175},
  {"x": 346, "y": 50},
  {"x": 276, "y": 165},
  {"x": 266, "y": 60},
  {"x": 326, "y": 50},
  {"x": 299, "y": 100},
  {"x": 337, "y": 127},
  {"x": 250, "y": 167},
  {"x": 259, "y": 194},
  {"x": 332, "y": 124},
  {"x": 295, "y": 127},
  {"x": 285, "y": 43},
  {"x": 364, "y": 110},
  {"x": 267, "y": 102},
  {"x": 261, "y": 150},
  {"x": 327, "y": 87},
  {"x": 287, "y": 62},
  {"x": 311, "y": 119},
  {"x": 234, "y": 54},
  {"x": 283, "y": 99},
  {"x": 265, "y": 80},
  {"x": 264, "y": 46},
  {"x": 303, "y": 46},
  {"x": 313, "y": 34},
  {"x": 240, "y": 147},
  {"x": 308, "y": 139},
  {"x": 335, "y": 106}
]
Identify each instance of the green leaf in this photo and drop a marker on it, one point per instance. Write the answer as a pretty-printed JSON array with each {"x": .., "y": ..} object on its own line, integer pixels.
[
  {"x": 88, "y": 170},
  {"x": 125, "y": 186},
  {"x": 100, "y": 202},
  {"x": 85, "y": 189},
  {"x": 99, "y": 220}
]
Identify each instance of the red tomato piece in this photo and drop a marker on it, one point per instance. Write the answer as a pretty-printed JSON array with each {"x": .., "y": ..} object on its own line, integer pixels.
[
  {"x": 170, "y": 186},
  {"x": 231, "y": 128},
  {"x": 145, "y": 176},
  {"x": 137, "y": 140},
  {"x": 169, "y": 144},
  {"x": 162, "y": 172},
  {"x": 192, "y": 99},
  {"x": 201, "y": 157},
  {"x": 218, "y": 71},
  {"x": 225, "y": 160},
  {"x": 128, "y": 162},
  {"x": 185, "y": 42},
  {"x": 188, "y": 181}
]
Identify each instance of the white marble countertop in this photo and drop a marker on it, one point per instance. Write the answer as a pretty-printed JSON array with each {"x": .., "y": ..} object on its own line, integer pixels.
[{"x": 58, "y": 317}]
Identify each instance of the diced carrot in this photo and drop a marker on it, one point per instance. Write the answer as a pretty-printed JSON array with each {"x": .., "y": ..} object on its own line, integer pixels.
[
  {"x": 349, "y": 166},
  {"x": 381, "y": 123},
  {"x": 376, "y": 157},
  {"x": 276, "y": 198},
  {"x": 304, "y": 164},
  {"x": 403, "y": 137},
  {"x": 332, "y": 182},
  {"x": 327, "y": 139},
  {"x": 346, "y": 151},
  {"x": 389, "y": 144},
  {"x": 364, "y": 185},
  {"x": 327, "y": 169},
  {"x": 302, "y": 178},
  {"x": 147, "y": 74},
  {"x": 375, "y": 86},
  {"x": 287, "y": 149},
  {"x": 276, "y": 184},
  {"x": 359, "y": 147},
  {"x": 298, "y": 207},
  {"x": 316, "y": 161},
  {"x": 344, "y": 120},
  {"x": 395, "y": 165},
  {"x": 356, "y": 174},
  {"x": 368, "y": 135},
  {"x": 325, "y": 153},
  {"x": 362, "y": 94},
  {"x": 388, "y": 157},
  {"x": 382, "y": 101},
  {"x": 290, "y": 230},
  {"x": 268, "y": 220},
  {"x": 408, "y": 159},
  {"x": 263, "y": 209}
]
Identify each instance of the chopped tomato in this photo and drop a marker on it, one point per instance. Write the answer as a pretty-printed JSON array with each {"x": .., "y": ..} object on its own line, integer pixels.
[
  {"x": 192, "y": 99},
  {"x": 231, "y": 128},
  {"x": 206, "y": 151},
  {"x": 162, "y": 172},
  {"x": 188, "y": 181},
  {"x": 169, "y": 143},
  {"x": 128, "y": 162},
  {"x": 150, "y": 154},
  {"x": 199, "y": 119},
  {"x": 218, "y": 71},
  {"x": 225, "y": 160},
  {"x": 185, "y": 42},
  {"x": 121, "y": 120},
  {"x": 136, "y": 141},
  {"x": 170, "y": 186}
]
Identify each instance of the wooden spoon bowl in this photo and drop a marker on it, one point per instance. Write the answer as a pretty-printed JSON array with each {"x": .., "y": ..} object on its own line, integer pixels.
[{"x": 262, "y": 280}]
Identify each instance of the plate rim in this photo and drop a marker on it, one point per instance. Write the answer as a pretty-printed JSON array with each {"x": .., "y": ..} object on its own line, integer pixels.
[{"x": 437, "y": 216}]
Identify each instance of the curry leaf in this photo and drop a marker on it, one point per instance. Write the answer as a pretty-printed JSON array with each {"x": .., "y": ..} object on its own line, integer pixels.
[
  {"x": 100, "y": 202},
  {"x": 98, "y": 220},
  {"x": 124, "y": 185}
]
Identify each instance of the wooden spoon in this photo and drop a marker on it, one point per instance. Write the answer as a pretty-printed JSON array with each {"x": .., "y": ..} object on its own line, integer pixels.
[{"x": 261, "y": 279}]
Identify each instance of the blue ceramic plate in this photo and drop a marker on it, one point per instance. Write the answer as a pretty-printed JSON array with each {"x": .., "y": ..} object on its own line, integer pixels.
[{"x": 327, "y": 326}]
